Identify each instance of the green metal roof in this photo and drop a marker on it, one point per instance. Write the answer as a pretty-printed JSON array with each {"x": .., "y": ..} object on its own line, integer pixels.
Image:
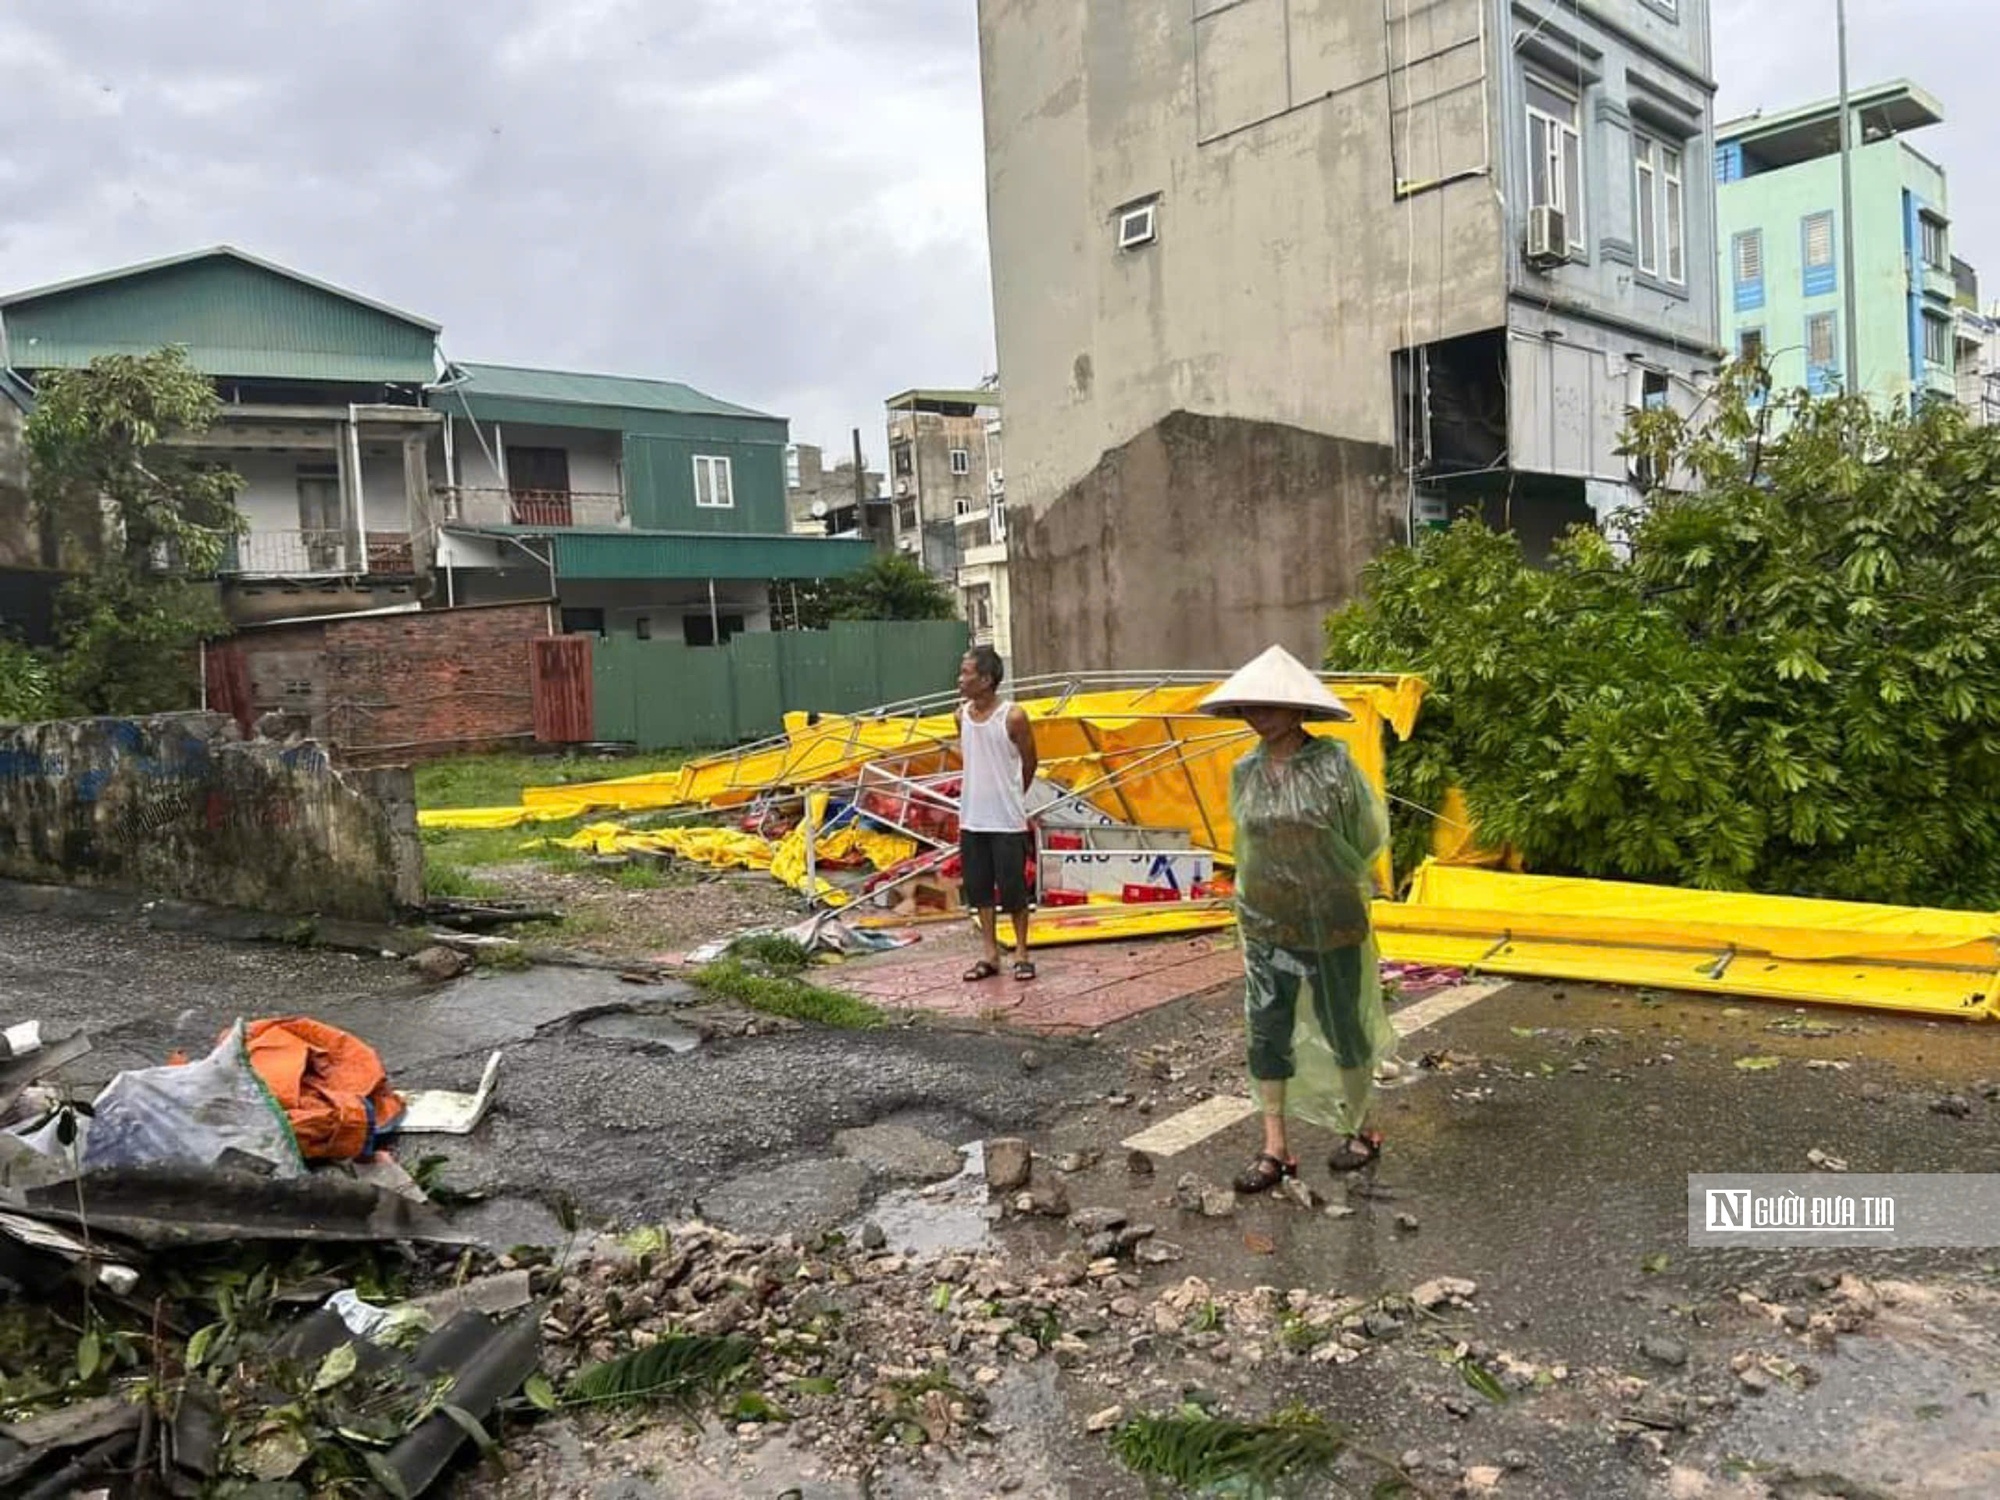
[
  {"x": 905, "y": 400},
  {"x": 616, "y": 553},
  {"x": 235, "y": 314},
  {"x": 571, "y": 388}
]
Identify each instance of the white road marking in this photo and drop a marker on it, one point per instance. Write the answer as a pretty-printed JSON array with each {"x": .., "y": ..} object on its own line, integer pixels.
[{"x": 1192, "y": 1126}]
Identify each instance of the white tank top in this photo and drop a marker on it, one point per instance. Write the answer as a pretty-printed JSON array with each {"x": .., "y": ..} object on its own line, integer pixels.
[{"x": 991, "y": 798}]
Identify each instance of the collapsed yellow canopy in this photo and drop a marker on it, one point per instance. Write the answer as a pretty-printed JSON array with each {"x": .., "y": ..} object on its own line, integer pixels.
[
  {"x": 1944, "y": 963},
  {"x": 1146, "y": 756}
]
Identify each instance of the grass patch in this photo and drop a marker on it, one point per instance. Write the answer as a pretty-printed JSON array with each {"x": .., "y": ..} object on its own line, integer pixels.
[
  {"x": 641, "y": 877},
  {"x": 785, "y": 995},
  {"x": 497, "y": 780},
  {"x": 773, "y": 952},
  {"x": 444, "y": 879}
]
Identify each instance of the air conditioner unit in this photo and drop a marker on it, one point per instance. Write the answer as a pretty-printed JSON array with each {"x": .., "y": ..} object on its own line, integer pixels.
[
  {"x": 1548, "y": 237},
  {"x": 902, "y": 486},
  {"x": 994, "y": 483}
]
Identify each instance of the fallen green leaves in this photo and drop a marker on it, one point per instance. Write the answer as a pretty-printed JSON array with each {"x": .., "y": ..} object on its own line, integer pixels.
[
  {"x": 1196, "y": 1450},
  {"x": 681, "y": 1370}
]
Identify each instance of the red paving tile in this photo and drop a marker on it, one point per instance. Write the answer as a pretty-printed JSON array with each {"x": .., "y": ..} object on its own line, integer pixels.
[{"x": 1078, "y": 988}]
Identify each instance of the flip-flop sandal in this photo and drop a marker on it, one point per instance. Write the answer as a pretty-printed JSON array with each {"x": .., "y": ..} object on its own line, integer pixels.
[
  {"x": 981, "y": 970},
  {"x": 1024, "y": 971},
  {"x": 1264, "y": 1173},
  {"x": 1356, "y": 1152}
]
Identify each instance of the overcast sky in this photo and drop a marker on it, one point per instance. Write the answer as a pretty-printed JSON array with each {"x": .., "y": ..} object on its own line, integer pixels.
[{"x": 780, "y": 201}]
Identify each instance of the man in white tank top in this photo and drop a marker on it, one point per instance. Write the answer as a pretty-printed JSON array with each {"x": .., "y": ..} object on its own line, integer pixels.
[{"x": 996, "y": 751}]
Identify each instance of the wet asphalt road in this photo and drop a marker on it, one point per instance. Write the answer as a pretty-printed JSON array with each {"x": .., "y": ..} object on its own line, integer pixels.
[{"x": 1551, "y": 1188}]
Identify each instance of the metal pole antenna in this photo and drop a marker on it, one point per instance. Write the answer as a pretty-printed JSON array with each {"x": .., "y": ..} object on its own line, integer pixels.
[{"x": 1852, "y": 382}]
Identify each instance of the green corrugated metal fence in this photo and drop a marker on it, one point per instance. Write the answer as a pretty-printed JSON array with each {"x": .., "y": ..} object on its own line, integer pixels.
[{"x": 664, "y": 695}]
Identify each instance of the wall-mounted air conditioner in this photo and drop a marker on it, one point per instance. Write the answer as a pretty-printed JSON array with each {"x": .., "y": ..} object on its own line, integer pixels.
[{"x": 1548, "y": 237}]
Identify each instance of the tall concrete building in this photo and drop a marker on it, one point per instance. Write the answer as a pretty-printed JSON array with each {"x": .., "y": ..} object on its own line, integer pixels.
[
  {"x": 1278, "y": 281},
  {"x": 1782, "y": 253}
]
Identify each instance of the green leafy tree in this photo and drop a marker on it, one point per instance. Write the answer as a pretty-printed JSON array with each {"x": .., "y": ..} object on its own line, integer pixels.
[
  {"x": 142, "y": 521},
  {"x": 891, "y": 587},
  {"x": 1788, "y": 682}
]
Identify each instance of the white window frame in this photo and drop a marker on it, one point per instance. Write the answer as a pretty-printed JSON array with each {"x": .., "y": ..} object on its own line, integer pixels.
[
  {"x": 961, "y": 460},
  {"x": 999, "y": 512},
  {"x": 1940, "y": 327},
  {"x": 714, "y": 478},
  {"x": 1560, "y": 154},
  {"x": 1749, "y": 239},
  {"x": 1139, "y": 224},
  {"x": 792, "y": 466},
  {"x": 1932, "y": 230},
  {"x": 1821, "y": 219},
  {"x": 1659, "y": 208}
]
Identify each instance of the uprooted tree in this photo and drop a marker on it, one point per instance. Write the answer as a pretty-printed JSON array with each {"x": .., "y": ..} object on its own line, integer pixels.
[
  {"x": 1790, "y": 683},
  {"x": 140, "y": 521}
]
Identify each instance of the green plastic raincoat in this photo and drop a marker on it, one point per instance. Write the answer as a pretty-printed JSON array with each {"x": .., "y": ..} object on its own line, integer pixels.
[{"x": 1309, "y": 830}]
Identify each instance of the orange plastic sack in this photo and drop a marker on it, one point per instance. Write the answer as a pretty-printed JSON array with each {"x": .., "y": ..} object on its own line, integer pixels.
[{"x": 332, "y": 1086}]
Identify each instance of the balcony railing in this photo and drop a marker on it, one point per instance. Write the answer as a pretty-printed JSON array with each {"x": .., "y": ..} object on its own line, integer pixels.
[
  {"x": 288, "y": 554},
  {"x": 315, "y": 554},
  {"x": 474, "y": 505}
]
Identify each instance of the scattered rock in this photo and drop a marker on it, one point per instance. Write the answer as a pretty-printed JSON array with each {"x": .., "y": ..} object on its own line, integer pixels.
[
  {"x": 1873, "y": 1093},
  {"x": 1987, "y": 1089},
  {"x": 1825, "y": 1162},
  {"x": 1078, "y": 1161},
  {"x": 872, "y": 1237},
  {"x": 1755, "y": 1379},
  {"x": 1664, "y": 1350},
  {"x": 1139, "y": 1164},
  {"x": 1117, "y": 1101},
  {"x": 1443, "y": 1289},
  {"x": 1955, "y": 1105},
  {"x": 1408, "y": 1223},
  {"x": 1300, "y": 1193},
  {"x": 1156, "y": 1252},
  {"x": 1104, "y": 1421},
  {"x": 1381, "y": 1325},
  {"x": 1260, "y": 1244},
  {"x": 1134, "y": 1234},
  {"x": 1048, "y": 1200},
  {"x": 1188, "y": 1191},
  {"x": 438, "y": 964},
  {"x": 1515, "y": 1461},
  {"x": 1339, "y": 1211},
  {"x": 1482, "y": 1479},
  {"x": 1008, "y": 1163},
  {"x": 1089, "y": 1221},
  {"x": 1218, "y": 1202},
  {"x": 1031, "y": 1061},
  {"x": 899, "y": 1153},
  {"x": 1101, "y": 1244},
  {"x": 1797, "y": 1319}
]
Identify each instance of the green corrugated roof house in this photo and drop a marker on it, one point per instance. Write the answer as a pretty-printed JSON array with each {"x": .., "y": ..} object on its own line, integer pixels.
[{"x": 373, "y": 468}]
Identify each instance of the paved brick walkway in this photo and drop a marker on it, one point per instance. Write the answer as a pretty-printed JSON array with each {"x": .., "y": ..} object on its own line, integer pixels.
[{"x": 1077, "y": 988}]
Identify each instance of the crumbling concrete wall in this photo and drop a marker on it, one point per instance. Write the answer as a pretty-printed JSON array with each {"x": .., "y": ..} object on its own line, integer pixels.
[
  {"x": 1198, "y": 544},
  {"x": 179, "y": 805}
]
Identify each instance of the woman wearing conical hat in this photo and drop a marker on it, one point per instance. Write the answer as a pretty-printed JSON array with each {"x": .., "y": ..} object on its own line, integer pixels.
[{"x": 1309, "y": 830}]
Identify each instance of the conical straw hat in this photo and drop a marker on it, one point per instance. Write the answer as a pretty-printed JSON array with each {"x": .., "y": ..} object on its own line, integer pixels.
[{"x": 1277, "y": 679}]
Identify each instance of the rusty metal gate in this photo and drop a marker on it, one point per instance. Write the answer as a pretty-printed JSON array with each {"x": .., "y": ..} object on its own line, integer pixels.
[{"x": 564, "y": 700}]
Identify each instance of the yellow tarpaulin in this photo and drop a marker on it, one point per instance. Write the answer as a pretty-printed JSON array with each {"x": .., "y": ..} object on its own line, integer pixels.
[
  {"x": 1170, "y": 761},
  {"x": 723, "y": 848},
  {"x": 1776, "y": 947}
]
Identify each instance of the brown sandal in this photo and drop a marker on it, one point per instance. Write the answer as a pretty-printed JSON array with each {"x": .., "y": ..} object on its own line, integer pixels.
[
  {"x": 979, "y": 971},
  {"x": 1356, "y": 1152},
  {"x": 1265, "y": 1173}
]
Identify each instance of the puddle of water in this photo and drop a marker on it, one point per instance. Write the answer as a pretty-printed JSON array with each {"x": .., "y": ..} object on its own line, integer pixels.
[
  {"x": 650, "y": 1031},
  {"x": 1912, "y": 1420},
  {"x": 949, "y": 1215}
]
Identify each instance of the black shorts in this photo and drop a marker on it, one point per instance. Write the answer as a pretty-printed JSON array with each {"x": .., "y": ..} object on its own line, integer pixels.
[{"x": 995, "y": 870}]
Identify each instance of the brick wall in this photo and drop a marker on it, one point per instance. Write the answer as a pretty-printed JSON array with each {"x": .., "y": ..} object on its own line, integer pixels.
[{"x": 399, "y": 688}]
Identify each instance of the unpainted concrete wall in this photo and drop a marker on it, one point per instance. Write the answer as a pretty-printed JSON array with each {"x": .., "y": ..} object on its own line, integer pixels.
[
  {"x": 178, "y": 805},
  {"x": 20, "y": 540},
  {"x": 1198, "y": 544}
]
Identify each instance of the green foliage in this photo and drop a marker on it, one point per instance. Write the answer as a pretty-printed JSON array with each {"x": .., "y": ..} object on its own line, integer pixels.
[
  {"x": 94, "y": 456},
  {"x": 1198, "y": 1451},
  {"x": 1790, "y": 684},
  {"x": 139, "y": 523},
  {"x": 775, "y": 951},
  {"x": 27, "y": 685},
  {"x": 782, "y": 995},
  {"x": 680, "y": 1370},
  {"x": 890, "y": 587}
]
